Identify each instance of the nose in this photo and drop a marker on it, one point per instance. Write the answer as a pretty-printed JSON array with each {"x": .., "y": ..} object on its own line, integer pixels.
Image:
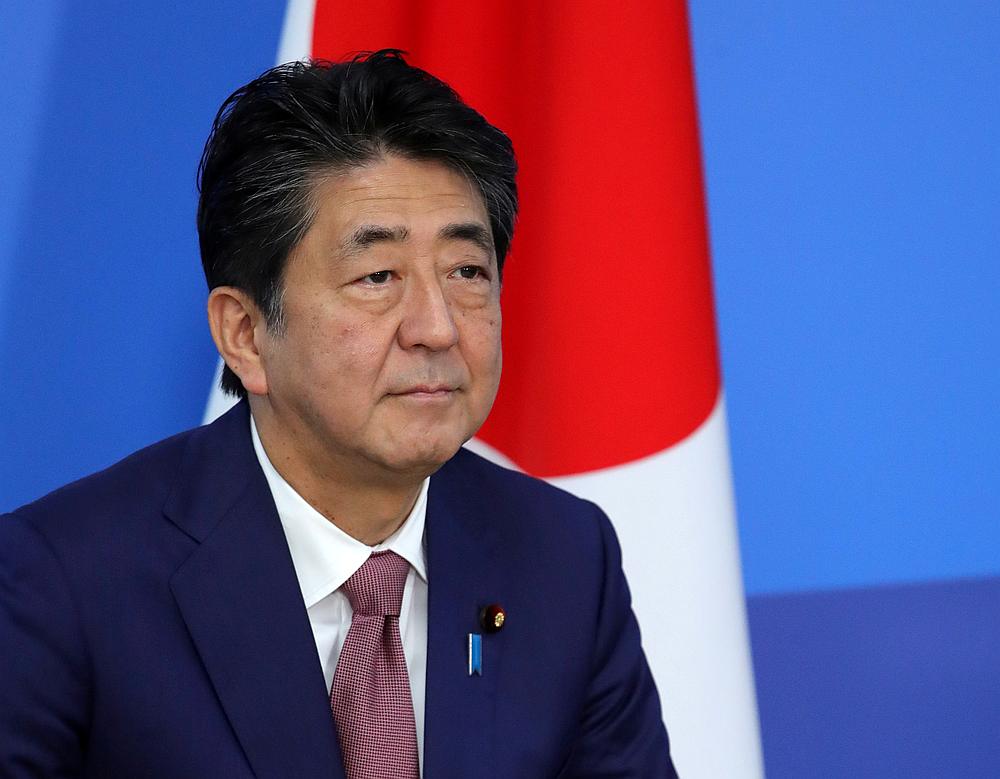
[{"x": 427, "y": 319}]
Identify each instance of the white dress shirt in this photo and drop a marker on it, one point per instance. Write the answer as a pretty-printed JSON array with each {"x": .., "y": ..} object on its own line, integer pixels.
[{"x": 325, "y": 557}]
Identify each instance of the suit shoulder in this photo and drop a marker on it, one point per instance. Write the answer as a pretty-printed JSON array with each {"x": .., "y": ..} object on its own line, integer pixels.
[
  {"x": 522, "y": 507},
  {"x": 137, "y": 483},
  {"x": 517, "y": 486}
]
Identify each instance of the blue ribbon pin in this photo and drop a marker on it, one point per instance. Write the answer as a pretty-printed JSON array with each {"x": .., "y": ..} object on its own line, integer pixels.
[{"x": 475, "y": 654}]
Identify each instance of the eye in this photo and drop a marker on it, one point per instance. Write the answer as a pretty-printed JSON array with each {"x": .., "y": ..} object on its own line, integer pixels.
[
  {"x": 379, "y": 277},
  {"x": 471, "y": 272}
]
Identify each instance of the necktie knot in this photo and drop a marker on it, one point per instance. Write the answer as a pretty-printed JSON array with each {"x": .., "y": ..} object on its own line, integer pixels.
[{"x": 376, "y": 588}]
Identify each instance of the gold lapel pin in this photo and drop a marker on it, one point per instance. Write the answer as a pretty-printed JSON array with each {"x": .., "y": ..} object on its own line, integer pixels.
[{"x": 492, "y": 617}]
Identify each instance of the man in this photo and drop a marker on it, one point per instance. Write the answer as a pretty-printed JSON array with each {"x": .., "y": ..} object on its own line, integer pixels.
[{"x": 322, "y": 582}]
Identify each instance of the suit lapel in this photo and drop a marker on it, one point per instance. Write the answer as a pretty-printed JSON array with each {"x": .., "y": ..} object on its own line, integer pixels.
[
  {"x": 241, "y": 602},
  {"x": 463, "y": 576}
]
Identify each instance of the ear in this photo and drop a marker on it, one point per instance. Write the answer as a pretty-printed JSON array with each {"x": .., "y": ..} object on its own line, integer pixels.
[{"x": 233, "y": 318}]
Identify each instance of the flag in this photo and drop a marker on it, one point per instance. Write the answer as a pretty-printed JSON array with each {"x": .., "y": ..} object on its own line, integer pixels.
[{"x": 611, "y": 385}]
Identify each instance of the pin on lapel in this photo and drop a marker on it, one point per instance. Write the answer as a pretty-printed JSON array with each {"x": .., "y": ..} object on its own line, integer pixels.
[
  {"x": 475, "y": 654},
  {"x": 491, "y": 619}
]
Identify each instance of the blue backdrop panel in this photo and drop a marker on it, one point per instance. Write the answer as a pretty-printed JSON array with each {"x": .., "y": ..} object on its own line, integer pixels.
[
  {"x": 891, "y": 681},
  {"x": 854, "y": 197},
  {"x": 103, "y": 342}
]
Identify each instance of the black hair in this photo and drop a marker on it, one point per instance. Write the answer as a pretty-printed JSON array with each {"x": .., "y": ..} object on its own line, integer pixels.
[{"x": 272, "y": 137}]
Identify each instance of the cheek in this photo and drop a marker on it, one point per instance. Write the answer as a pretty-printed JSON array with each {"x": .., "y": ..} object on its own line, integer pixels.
[
  {"x": 482, "y": 337},
  {"x": 362, "y": 348}
]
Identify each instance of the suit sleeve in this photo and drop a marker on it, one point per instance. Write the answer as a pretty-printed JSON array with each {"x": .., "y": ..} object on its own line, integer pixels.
[
  {"x": 621, "y": 730},
  {"x": 44, "y": 684}
]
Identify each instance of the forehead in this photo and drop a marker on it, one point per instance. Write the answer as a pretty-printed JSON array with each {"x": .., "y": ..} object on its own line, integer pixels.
[{"x": 395, "y": 190}]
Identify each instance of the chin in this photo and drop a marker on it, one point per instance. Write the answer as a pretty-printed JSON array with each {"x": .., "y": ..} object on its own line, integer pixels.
[{"x": 425, "y": 457}]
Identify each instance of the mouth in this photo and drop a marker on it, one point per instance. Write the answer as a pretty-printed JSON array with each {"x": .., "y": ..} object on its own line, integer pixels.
[{"x": 427, "y": 392}]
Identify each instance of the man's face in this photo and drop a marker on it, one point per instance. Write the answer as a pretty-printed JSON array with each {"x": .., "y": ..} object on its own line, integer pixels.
[{"x": 390, "y": 355}]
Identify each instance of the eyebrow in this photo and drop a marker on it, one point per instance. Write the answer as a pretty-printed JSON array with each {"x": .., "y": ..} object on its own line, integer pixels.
[
  {"x": 474, "y": 232},
  {"x": 368, "y": 235}
]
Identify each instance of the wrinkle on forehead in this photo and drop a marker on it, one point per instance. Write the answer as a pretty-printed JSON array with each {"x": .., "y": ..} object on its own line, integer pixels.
[{"x": 387, "y": 199}]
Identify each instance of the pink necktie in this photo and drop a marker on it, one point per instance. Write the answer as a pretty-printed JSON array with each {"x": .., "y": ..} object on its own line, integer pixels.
[{"x": 370, "y": 697}]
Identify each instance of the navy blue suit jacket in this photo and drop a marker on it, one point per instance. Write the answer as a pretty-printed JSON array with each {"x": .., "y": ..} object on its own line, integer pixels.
[{"x": 151, "y": 625}]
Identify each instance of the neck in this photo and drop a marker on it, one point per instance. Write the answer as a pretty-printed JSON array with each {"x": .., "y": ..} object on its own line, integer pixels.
[{"x": 365, "y": 502}]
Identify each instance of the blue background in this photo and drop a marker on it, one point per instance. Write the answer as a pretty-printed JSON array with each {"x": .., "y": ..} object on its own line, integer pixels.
[{"x": 852, "y": 154}]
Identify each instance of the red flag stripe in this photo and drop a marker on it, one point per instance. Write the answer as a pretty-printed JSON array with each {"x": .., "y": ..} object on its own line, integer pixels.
[{"x": 609, "y": 338}]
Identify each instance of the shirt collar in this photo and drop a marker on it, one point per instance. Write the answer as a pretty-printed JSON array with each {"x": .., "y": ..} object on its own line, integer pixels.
[{"x": 325, "y": 556}]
